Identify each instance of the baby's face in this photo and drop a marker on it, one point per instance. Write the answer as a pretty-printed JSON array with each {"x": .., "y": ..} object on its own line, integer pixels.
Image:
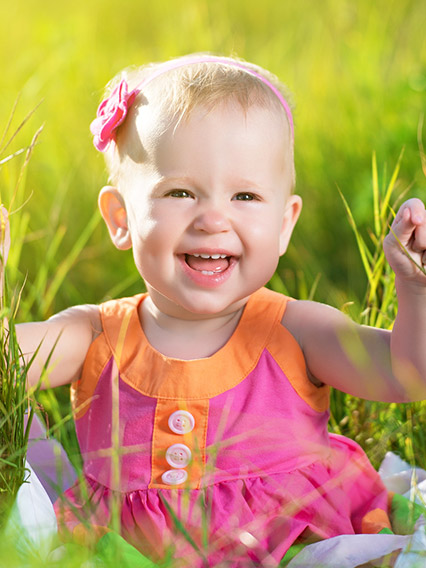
[{"x": 210, "y": 211}]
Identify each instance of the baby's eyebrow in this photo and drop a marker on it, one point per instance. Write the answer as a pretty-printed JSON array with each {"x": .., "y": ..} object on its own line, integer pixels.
[
  {"x": 235, "y": 183},
  {"x": 243, "y": 183},
  {"x": 174, "y": 181}
]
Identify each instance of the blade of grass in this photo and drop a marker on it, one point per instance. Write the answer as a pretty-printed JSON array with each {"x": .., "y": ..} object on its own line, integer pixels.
[
  {"x": 14, "y": 155},
  {"x": 389, "y": 191},
  {"x": 376, "y": 196},
  {"x": 25, "y": 164},
  {"x": 180, "y": 527},
  {"x": 40, "y": 284},
  {"x": 9, "y": 122},
  {"x": 22, "y": 124},
  {"x": 407, "y": 254},
  {"x": 65, "y": 266},
  {"x": 420, "y": 144},
  {"x": 363, "y": 250}
]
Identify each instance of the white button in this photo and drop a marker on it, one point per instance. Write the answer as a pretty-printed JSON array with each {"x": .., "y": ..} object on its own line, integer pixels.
[
  {"x": 174, "y": 476},
  {"x": 181, "y": 422},
  {"x": 178, "y": 455}
]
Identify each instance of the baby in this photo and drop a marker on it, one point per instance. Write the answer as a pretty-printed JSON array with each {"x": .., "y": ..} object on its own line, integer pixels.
[{"x": 201, "y": 405}]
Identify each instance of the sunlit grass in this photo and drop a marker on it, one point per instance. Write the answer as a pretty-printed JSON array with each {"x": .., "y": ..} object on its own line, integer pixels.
[{"x": 14, "y": 405}]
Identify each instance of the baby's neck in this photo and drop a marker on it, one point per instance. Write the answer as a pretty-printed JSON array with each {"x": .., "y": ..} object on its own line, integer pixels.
[{"x": 186, "y": 339}]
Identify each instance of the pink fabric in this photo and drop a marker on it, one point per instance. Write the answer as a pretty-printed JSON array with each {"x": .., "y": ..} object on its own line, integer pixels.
[
  {"x": 94, "y": 431},
  {"x": 273, "y": 471},
  {"x": 321, "y": 499},
  {"x": 255, "y": 435}
]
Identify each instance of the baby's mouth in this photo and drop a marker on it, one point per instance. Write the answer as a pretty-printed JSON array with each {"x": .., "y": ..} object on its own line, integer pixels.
[{"x": 208, "y": 263}]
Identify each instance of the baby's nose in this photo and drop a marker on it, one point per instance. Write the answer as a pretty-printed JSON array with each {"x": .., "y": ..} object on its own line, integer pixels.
[{"x": 212, "y": 220}]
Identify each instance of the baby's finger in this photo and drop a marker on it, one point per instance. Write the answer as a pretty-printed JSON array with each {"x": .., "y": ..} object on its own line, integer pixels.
[
  {"x": 418, "y": 217},
  {"x": 409, "y": 222}
]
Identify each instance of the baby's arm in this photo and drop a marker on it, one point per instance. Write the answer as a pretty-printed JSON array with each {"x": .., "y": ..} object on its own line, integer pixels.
[
  {"x": 368, "y": 362},
  {"x": 349, "y": 357},
  {"x": 408, "y": 341}
]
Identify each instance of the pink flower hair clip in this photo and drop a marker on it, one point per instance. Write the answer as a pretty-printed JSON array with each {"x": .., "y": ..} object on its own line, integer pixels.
[{"x": 111, "y": 113}]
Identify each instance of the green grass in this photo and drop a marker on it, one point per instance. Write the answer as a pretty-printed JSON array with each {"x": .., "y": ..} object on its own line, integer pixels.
[
  {"x": 14, "y": 404},
  {"x": 358, "y": 73}
]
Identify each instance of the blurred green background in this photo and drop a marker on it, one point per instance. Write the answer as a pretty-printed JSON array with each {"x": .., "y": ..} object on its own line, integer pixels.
[{"x": 358, "y": 73}]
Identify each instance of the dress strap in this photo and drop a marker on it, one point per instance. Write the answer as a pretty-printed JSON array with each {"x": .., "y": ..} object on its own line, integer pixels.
[{"x": 118, "y": 317}]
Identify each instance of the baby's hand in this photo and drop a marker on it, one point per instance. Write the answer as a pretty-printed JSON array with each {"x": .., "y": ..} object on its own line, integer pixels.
[
  {"x": 4, "y": 236},
  {"x": 409, "y": 228}
]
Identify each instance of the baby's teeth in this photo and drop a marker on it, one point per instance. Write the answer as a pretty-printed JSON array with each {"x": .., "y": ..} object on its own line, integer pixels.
[
  {"x": 213, "y": 256},
  {"x": 208, "y": 272}
]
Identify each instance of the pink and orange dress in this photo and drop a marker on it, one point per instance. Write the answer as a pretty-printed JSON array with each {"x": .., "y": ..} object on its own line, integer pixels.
[{"x": 227, "y": 457}]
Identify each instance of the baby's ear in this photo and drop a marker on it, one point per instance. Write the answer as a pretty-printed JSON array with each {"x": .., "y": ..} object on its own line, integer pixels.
[
  {"x": 291, "y": 214},
  {"x": 113, "y": 211}
]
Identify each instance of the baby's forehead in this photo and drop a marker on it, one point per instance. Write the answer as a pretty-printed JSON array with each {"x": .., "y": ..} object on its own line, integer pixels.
[
  {"x": 153, "y": 122},
  {"x": 227, "y": 139}
]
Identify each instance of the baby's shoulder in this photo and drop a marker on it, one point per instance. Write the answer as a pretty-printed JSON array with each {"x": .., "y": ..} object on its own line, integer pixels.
[
  {"x": 296, "y": 316},
  {"x": 84, "y": 316},
  {"x": 304, "y": 316},
  {"x": 308, "y": 321}
]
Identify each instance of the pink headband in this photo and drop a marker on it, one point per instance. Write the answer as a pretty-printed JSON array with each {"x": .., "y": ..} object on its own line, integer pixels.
[{"x": 113, "y": 110}]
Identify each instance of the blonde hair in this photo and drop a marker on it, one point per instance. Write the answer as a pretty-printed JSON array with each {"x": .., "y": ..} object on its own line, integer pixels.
[{"x": 177, "y": 91}]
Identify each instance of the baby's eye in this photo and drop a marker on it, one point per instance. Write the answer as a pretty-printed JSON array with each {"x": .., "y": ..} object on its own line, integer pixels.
[
  {"x": 178, "y": 193},
  {"x": 245, "y": 196}
]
